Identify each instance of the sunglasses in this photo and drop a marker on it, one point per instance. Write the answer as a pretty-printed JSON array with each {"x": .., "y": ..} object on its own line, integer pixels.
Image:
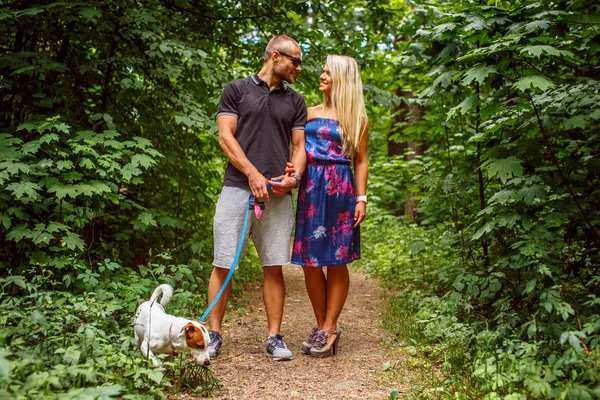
[{"x": 295, "y": 60}]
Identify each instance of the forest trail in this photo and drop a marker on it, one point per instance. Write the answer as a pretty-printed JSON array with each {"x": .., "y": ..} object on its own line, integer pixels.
[{"x": 245, "y": 372}]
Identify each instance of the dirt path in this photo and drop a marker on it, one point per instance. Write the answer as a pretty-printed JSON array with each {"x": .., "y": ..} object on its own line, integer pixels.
[{"x": 246, "y": 373}]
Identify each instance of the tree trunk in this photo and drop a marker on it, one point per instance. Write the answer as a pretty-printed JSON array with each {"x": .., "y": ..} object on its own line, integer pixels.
[{"x": 406, "y": 114}]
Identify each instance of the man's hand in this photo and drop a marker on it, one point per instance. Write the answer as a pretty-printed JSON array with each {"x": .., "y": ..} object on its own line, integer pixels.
[{"x": 258, "y": 185}]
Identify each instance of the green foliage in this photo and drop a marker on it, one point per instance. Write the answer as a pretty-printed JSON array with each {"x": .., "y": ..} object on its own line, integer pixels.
[
  {"x": 82, "y": 344},
  {"x": 56, "y": 185},
  {"x": 108, "y": 156},
  {"x": 505, "y": 260}
]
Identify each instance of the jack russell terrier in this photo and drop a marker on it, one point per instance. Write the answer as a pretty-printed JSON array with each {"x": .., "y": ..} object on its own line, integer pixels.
[{"x": 160, "y": 333}]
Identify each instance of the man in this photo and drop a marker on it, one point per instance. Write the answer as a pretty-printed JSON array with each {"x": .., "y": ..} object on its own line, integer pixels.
[{"x": 257, "y": 118}]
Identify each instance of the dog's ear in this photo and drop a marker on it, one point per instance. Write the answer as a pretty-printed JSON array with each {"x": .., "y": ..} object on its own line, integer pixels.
[
  {"x": 193, "y": 336},
  {"x": 189, "y": 329}
]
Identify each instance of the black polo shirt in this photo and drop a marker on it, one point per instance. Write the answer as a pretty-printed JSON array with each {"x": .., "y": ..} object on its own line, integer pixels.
[{"x": 266, "y": 119}]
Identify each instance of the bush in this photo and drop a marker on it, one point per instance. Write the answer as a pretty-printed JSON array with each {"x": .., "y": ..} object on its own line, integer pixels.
[{"x": 474, "y": 325}]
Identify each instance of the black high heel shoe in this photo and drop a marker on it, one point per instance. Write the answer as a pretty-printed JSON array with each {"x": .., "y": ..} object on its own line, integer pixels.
[{"x": 328, "y": 348}]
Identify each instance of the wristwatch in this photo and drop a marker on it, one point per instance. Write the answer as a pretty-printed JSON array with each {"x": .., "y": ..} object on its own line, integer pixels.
[
  {"x": 361, "y": 198},
  {"x": 297, "y": 178}
]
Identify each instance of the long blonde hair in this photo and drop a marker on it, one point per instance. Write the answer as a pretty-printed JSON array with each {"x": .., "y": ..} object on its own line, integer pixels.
[{"x": 346, "y": 99}]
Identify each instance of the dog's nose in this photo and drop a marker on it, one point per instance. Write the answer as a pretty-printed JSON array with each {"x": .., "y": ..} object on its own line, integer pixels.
[{"x": 207, "y": 362}]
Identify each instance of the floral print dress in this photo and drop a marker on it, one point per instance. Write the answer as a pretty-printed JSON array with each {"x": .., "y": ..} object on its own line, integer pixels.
[{"x": 325, "y": 234}]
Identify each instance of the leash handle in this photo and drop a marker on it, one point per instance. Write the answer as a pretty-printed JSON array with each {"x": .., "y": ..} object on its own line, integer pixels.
[
  {"x": 233, "y": 264},
  {"x": 236, "y": 258}
]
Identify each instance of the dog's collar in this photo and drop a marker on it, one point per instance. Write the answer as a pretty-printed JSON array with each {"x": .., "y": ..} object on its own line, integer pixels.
[{"x": 170, "y": 337}]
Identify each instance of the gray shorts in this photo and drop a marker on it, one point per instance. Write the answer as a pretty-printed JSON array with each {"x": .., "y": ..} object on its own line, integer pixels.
[{"x": 271, "y": 234}]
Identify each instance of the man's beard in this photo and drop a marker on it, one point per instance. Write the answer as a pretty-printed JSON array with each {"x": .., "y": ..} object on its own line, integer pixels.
[{"x": 284, "y": 77}]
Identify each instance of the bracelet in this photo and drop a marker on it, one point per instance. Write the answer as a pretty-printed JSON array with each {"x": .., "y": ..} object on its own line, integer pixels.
[
  {"x": 361, "y": 198},
  {"x": 297, "y": 178}
]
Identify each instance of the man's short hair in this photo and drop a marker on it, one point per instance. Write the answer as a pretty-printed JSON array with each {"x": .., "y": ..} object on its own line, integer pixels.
[{"x": 279, "y": 42}]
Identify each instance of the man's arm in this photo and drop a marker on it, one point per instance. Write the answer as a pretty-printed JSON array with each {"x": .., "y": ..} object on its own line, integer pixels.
[
  {"x": 227, "y": 127},
  {"x": 299, "y": 162}
]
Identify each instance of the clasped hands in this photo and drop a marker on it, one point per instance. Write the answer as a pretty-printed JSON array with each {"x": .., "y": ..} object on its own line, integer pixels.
[
  {"x": 360, "y": 211},
  {"x": 280, "y": 184}
]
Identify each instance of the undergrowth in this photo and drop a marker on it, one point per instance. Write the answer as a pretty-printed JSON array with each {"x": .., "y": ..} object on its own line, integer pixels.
[
  {"x": 470, "y": 325},
  {"x": 56, "y": 344}
]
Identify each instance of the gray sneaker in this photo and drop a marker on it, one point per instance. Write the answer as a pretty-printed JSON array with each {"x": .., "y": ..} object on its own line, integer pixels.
[
  {"x": 277, "y": 348},
  {"x": 214, "y": 345}
]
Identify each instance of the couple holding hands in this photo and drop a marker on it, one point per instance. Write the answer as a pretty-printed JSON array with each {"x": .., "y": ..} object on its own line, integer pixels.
[{"x": 258, "y": 118}]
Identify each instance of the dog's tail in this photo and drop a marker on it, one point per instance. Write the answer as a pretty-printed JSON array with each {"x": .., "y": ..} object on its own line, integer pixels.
[{"x": 167, "y": 292}]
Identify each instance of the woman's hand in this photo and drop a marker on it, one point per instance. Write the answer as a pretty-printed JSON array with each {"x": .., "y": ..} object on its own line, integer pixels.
[
  {"x": 360, "y": 212},
  {"x": 289, "y": 169},
  {"x": 282, "y": 184}
]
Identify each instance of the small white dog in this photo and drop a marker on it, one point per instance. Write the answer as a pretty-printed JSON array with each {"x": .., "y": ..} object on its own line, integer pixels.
[{"x": 160, "y": 333}]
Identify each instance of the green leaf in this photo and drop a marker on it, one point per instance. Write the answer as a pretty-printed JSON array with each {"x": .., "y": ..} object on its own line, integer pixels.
[
  {"x": 142, "y": 160},
  {"x": 73, "y": 241},
  {"x": 72, "y": 176},
  {"x": 49, "y": 138},
  {"x": 90, "y": 14},
  {"x": 40, "y": 235},
  {"x": 14, "y": 168},
  {"x": 155, "y": 375},
  {"x": 100, "y": 187},
  {"x": 502, "y": 197},
  {"x": 31, "y": 147},
  {"x": 169, "y": 221},
  {"x": 463, "y": 107},
  {"x": 142, "y": 143},
  {"x": 505, "y": 168},
  {"x": 85, "y": 189},
  {"x": 22, "y": 70},
  {"x": 143, "y": 221},
  {"x": 578, "y": 121},
  {"x": 574, "y": 338},
  {"x": 485, "y": 229},
  {"x": 535, "y": 81},
  {"x": 182, "y": 119},
  {"x": 4, "y": 364},
  {"x": 56, "y": 227},
  {"x": 530, "y": 286},
  {"x": 130, "y": 170},
  {"x": 17, "y": 280},
  {"x": 529, "y": 194},
  {"x": 64, "y": 165},
  {"x": 72, "y": 355},
  {"x": 63, "y": 190},
  {"x": 86, "y": 163},
  {"x": 478, "y": 73},
  {"x": 5, "y": 220},
  {"x": 25, "y": 188},
  {"x": 40, "y": 258},
  {"x": 538, "y": 50},
  {"x": 538, "y": 386},
  {"x": 438, "y": 30}
]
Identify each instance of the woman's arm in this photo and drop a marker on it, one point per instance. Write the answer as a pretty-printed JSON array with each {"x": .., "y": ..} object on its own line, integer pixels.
[{"x": 361, "y": 173}]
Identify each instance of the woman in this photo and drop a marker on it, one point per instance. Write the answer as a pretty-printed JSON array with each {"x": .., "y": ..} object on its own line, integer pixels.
[{"x": 330, "y": 204}]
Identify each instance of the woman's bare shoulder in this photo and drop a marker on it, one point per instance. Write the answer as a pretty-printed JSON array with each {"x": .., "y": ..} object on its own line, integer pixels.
[{"x": 313, "y": 112}]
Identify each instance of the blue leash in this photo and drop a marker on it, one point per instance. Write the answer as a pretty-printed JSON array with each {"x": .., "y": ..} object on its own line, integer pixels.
[
  {"x": 233, "y": 264},
  {"x": 236, "y": 259}
]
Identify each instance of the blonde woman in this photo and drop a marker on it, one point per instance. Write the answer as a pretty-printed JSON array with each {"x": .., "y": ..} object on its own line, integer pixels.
[{"x": 332, "y": 200}]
